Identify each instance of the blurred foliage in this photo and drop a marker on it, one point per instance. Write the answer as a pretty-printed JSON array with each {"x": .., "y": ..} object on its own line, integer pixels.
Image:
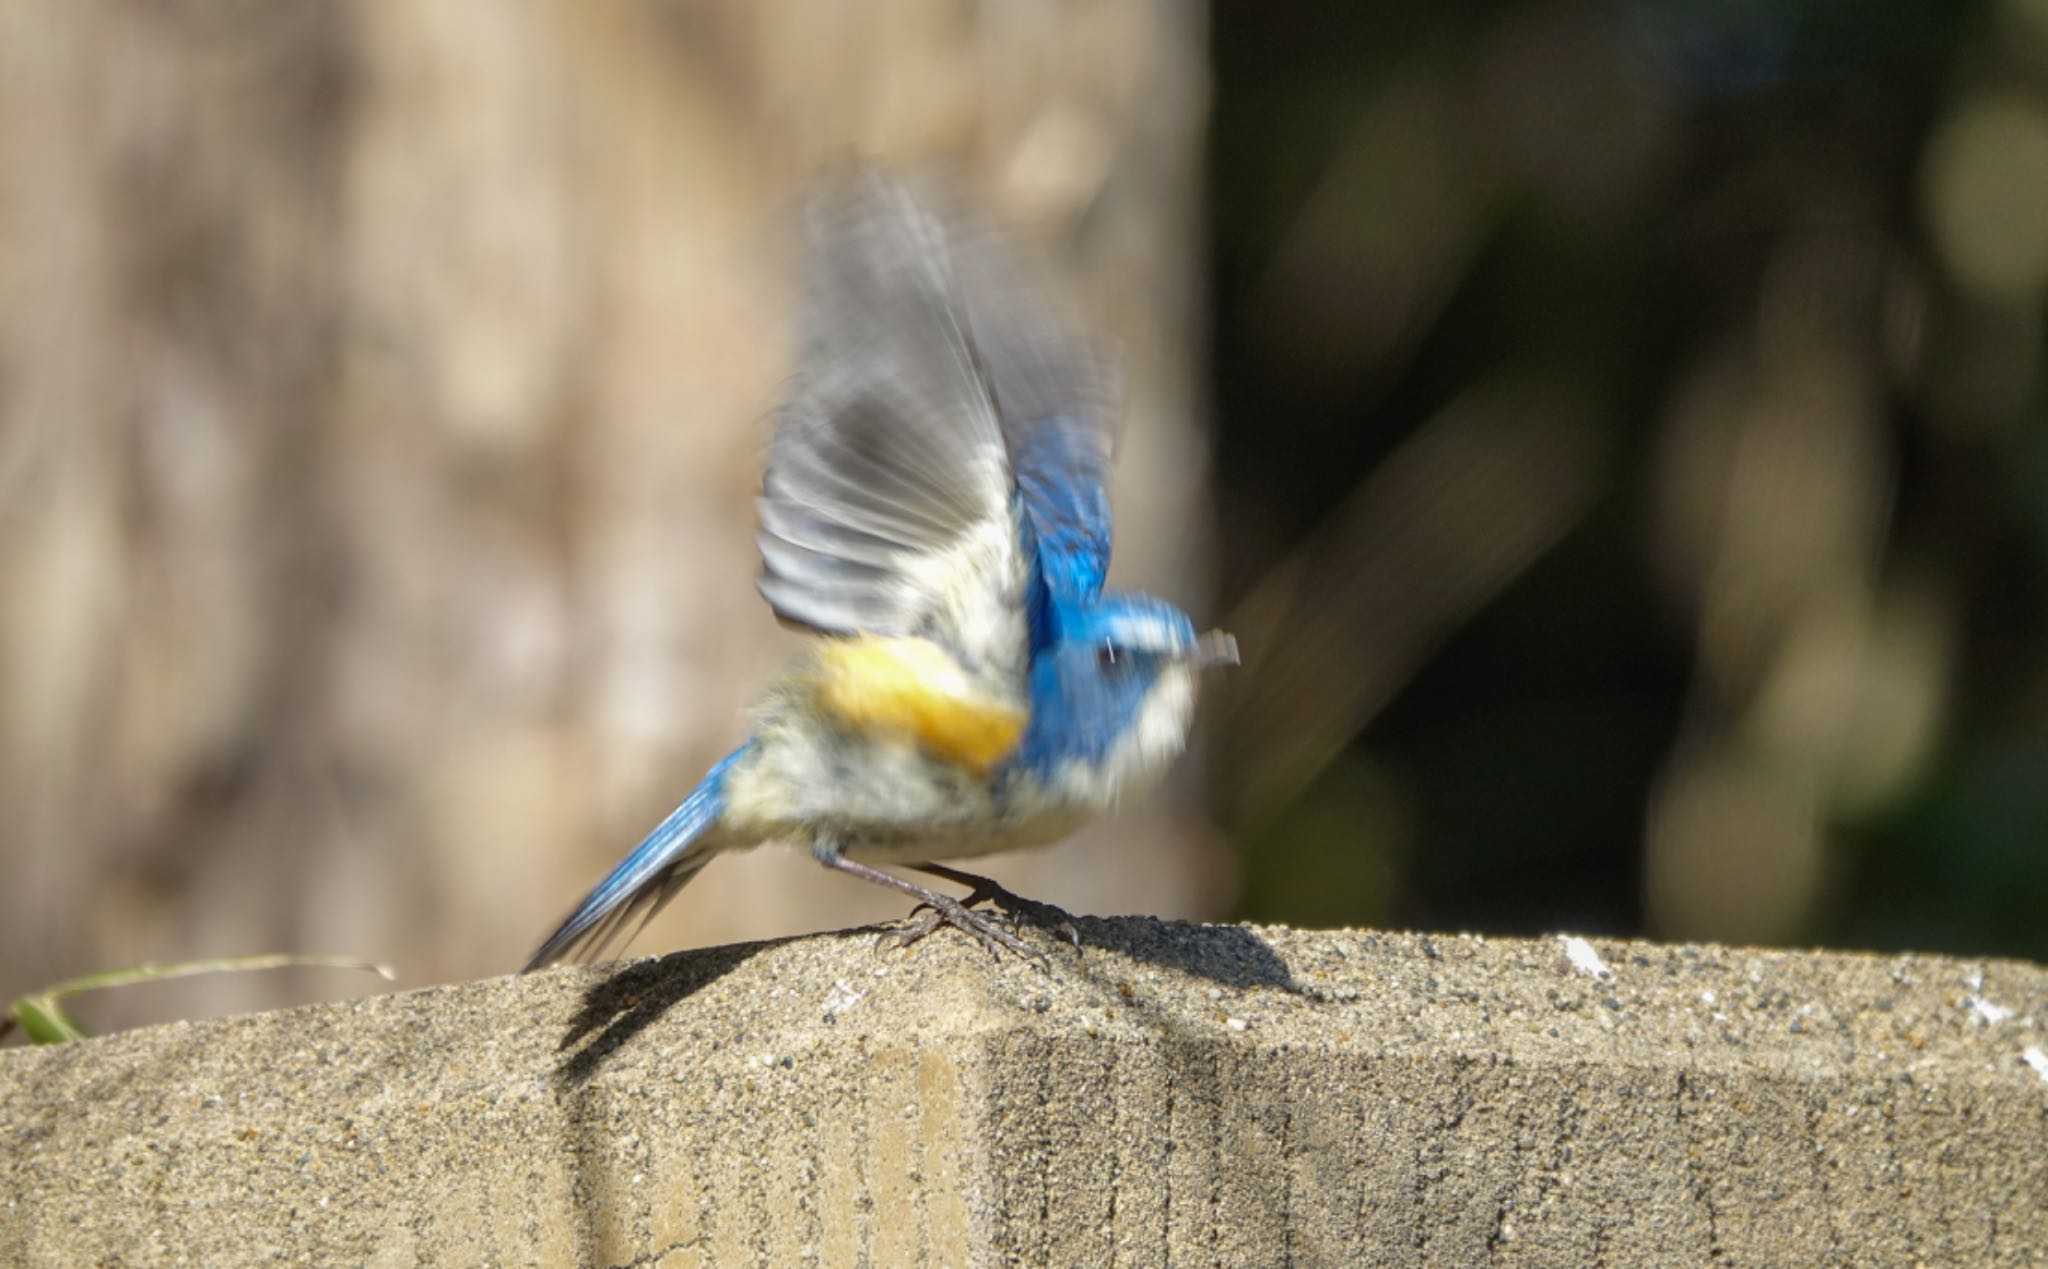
[{"x": 1748, "y": 637}]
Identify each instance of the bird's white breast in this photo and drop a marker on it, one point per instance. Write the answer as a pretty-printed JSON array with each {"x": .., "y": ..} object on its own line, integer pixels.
[
  {"x": 884, "y": 796},
  {"x": 1155, "y": 735}
]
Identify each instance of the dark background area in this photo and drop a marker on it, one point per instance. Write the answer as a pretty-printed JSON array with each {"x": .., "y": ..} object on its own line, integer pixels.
[{"x": 1782, "y": 675}]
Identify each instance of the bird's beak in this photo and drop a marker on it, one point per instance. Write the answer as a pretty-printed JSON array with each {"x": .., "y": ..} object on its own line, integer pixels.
[{"x": 1212, "y": 649}]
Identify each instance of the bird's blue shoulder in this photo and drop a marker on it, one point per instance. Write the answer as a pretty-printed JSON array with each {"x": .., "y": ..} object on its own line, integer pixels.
[{"x": 1063, "y": 506}]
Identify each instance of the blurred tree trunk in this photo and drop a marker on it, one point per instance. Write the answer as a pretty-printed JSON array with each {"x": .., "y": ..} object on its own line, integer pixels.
[{"x": 382, "y": 389}]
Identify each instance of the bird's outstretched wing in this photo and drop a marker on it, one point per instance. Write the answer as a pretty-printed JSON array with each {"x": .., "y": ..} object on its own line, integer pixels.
[
  {"x": 1056, "y": 396},
  {"x": 887, "y": 504}
]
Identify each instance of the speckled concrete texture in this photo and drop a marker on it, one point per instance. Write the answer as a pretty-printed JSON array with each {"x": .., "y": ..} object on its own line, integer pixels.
[{"x": 1166, "y": 1094}]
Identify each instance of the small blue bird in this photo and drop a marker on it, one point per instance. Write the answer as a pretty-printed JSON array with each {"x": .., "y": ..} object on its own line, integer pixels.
[{"x": 934, "y": 511}]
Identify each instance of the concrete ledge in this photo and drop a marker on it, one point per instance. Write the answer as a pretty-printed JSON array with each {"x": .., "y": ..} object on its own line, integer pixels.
[{"x": 1169, "y": 1093}]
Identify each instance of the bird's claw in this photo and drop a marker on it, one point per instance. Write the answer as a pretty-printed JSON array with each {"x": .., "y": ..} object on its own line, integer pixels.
[
  {"x": 1013, "y": 908},
  {"x": 985, "y": 928}
]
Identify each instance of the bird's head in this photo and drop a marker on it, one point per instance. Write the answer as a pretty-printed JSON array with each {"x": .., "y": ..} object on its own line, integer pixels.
[{"x": 1113, "y": 696}]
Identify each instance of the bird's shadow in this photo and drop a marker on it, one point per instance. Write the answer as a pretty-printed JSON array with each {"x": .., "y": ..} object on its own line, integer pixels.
[
  {"x": 1227, "y": 955},
  {"x": 637, "y": 993}
]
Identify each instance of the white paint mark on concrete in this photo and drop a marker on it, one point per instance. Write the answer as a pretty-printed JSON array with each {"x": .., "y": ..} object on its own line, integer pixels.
[
  {"x": 1983, "y": 1012},
  {"x": 841, "y": 998},
  {"x": 1583, "y": 958},
  {"x": 2033, "y": 1057},
  {"x": 1988, "y": 1012}
]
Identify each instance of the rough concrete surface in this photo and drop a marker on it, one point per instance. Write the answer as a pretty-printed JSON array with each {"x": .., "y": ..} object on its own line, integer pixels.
[{"x": 1166, "y": 1094}]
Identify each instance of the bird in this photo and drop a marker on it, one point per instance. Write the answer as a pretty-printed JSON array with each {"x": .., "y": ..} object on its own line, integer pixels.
[{"x": 934, "y": 516}]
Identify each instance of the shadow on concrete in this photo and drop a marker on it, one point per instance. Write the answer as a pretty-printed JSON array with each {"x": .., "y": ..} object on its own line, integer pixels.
[
  {"x": 638, "y": 993},
  {"x": 1228, "y": 955},
  {"x": 635, "y": 995}
]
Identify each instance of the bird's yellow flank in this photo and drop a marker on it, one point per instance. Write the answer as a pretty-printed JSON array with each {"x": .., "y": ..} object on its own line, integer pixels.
[{"x": 913, "y": 686}]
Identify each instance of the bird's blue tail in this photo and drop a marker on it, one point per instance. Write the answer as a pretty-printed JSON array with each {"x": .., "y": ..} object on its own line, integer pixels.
[{"x": 648, "y": 877}]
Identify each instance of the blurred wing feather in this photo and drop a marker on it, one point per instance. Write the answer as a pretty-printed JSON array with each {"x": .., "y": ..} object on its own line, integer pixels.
[
  {"x": 887, "y": 505},
  {"x": 1056, "y": 395}
]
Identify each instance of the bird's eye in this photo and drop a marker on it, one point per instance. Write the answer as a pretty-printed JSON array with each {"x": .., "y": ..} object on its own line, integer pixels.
[{"x": 1107, "y": 655}]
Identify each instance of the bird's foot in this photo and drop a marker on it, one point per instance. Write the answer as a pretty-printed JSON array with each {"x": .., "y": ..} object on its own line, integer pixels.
[
  {"x": 1013, "y": 906},
  {"x": 986, "y": 928}
]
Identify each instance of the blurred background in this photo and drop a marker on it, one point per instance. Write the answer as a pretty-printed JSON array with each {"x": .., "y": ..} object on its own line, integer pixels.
[{"x": 1614, "y": 431}]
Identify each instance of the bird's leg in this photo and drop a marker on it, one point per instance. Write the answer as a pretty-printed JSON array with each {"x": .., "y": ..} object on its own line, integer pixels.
[
  {"x": 983, "y": 928},
  {"x": 987, "y": 890}
]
